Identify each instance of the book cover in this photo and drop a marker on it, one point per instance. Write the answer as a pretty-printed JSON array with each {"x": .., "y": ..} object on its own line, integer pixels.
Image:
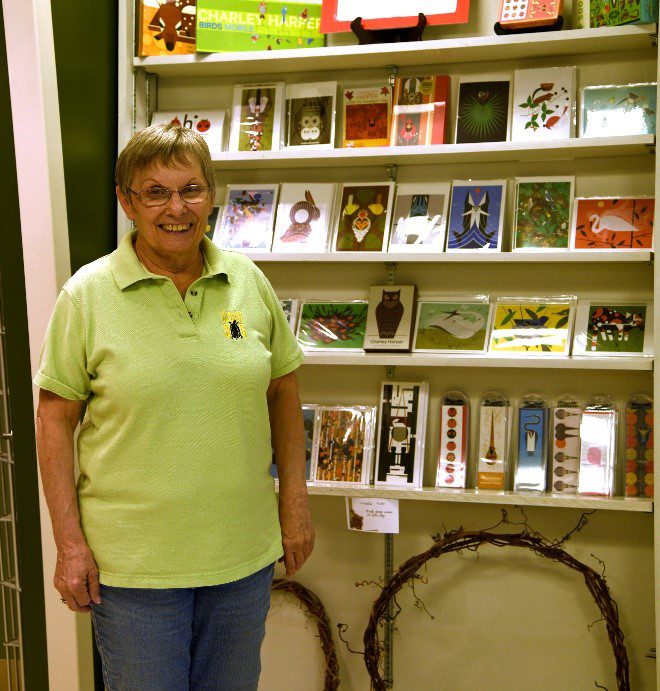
[
  {"x": 166, "y": 27},
  {"x": 617, "y": 12},
  {"x": 420, "y": 110},
  {"x": 390, "y": 318},
  {"x": 209, "y": 124},
  {"x": 366, "y": 116}
]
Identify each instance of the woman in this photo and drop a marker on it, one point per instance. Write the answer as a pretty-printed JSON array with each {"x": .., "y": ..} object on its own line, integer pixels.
[{"x": 184, "y": 365}]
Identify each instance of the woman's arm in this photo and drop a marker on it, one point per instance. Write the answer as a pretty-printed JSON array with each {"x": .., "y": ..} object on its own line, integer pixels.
[
  {"x": 76, "y": 574},
  {"x": 288, "y": 436}
]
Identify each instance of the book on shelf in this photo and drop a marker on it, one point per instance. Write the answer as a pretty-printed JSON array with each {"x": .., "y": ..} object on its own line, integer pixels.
[{"x": 165, "y": 27}]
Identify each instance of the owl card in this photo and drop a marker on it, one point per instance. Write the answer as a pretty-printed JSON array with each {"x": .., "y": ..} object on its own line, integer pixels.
[
  {"x": 390, "y": 318},
  {"x": 452, "y": 325},
  {"x": 333, "y": 325},
  {"x": 614, "y": 328},
  {"x": 344, "y": 444},
  {"x": 310, "y": 115},
  {"x": 291, "y": 308},
  {"x": 209, "y": 124},
  {"x": 543, "y": 104},
  {"x": 303, "y": 217},
  {"x": 366, "y": 115},
  {"x": 419, "y": 221},
  {"x": 364, "y": 217},
  {"x": 618, "y": 111},
  {"x": 401, "y": 434},
  {"x": 534, "y": 326},
  {"x": 484, "y": 108},
  {"x": 420, "y": 110},
  {"x": 543, "y": 214},
  {"x": 309, "y": 424},
  {"x": 247, "y": 220},
  {"x": 613, "y": 223},
  {"x": 476, "y": 215},
  {"x": 257, "y": 117}
]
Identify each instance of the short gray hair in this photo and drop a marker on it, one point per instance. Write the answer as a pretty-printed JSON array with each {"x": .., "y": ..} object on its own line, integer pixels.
[{"x": 167, "y": 144}]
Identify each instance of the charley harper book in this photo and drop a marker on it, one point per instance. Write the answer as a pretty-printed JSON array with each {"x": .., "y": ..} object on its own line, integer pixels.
[
  {"x": 366, "y": 115},
  {"x": 166, "y": 27}
]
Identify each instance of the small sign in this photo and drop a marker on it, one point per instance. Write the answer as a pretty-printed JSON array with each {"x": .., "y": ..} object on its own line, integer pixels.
[{"x": 372, "y": 515}]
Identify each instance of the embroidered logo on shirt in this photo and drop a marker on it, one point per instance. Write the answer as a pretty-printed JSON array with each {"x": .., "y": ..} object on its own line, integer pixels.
[{"x": 232, "y": 320}]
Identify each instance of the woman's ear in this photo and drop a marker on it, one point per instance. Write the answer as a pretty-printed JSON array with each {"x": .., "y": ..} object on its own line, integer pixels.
[{"x": 125, "y": 204}]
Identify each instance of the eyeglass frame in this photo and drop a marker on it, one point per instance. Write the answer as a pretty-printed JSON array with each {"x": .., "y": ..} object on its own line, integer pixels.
[{"x": 170, "y": 192}]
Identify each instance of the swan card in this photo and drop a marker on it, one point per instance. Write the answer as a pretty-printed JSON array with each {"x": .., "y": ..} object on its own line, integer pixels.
[
  {"x": 618, "y": 111},
  {"x": 621, "y": 224}
]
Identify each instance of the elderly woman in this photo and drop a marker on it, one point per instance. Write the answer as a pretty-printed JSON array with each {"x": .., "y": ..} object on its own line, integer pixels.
[{"x": 182, "y": 361}]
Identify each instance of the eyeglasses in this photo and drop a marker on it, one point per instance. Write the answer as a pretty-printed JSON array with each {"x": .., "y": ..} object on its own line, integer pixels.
[{"x": 159, "y": 196}]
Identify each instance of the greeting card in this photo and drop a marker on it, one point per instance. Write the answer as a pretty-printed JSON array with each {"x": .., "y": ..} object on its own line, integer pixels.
[
  {"x": 476, "y": 215},
  {"x": 309, "y": 425},
  {"x": 364, "y": 217},
  {"x": 333, "y": 325},
  {"x": 291, "y": 308},
  {"x": 256, "y": 117},
  {"x": 247, "y": 220},
  {"x": 366, "y": 115},
  {"x": 532, "y": 457},
  {"x": 484, "y": 107},
  {"x": 310, "y": 115},
  {"x": 613, "y": 223},
  {"x": 597, "y": 451},
  {"x": 209, "y": 124},
  {"x": 420, "y": 110},
  {"x": 390, "y": 318},
  {"x": 618, "y": 111},
  {"x": 419, "y": 221}
]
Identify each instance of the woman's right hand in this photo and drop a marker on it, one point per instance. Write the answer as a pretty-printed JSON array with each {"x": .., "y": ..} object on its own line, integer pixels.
[{"x": 77, "y": 577}]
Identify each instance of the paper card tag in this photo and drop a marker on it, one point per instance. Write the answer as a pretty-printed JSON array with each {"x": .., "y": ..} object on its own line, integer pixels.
[{"x": 372, "y": 515}]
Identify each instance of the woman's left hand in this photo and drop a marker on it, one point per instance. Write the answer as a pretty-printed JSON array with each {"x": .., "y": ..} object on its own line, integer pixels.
[{"x": 297, "y": 531}]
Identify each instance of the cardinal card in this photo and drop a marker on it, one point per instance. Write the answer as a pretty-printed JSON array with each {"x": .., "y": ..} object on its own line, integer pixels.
[
  {"x": 476, "y": 215},
  {"x": 452, "y": 325},
  {"x": 484, "y": 107},
  {"x": 291, "y": 308},
  {"x": 639, "y": 448},
  {"x": 532, "y": 457},
  {"x": 390, "y": 318},
  {"x": 166, "y": 28},
  {"x": 543, "y": 214},
  {"x": 419, "y": 221},
  {"x": 344, "y": 446},
  {"x": 333, "y": 325},
  {"x": 618, "y": 111},
  {"x": 493, "y": 455},
  {"x": 543, "y": 104},
  {"x": 256, "y": 117},
  {"x": 420, "y": 110},
  {"x": 303, "y": 217},
  {"x": 364, "y": 217},
  {"x": 209, "y": 124},
  {"x": 565, "y": 448},
  {"x": 613, "y": 223},
  {"x": 366, "y": 116},
  {"x": 247, "y": 220},
  {"x": 401, "y": 432},
  {"x": 454, "y": 442},
  {"x": 310, "y": 115},
  {"x": 309, "y": 424},
  {"x": 597, "y": 451},
  {"x": 614, "y": 328}
]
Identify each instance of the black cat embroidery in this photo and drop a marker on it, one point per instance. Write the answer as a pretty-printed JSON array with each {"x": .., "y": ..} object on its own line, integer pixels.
[{"x": 389, "y": 312}]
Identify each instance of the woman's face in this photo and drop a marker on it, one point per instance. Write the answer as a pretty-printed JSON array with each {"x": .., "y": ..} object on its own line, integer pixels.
[{"x": 174, "y": 229}]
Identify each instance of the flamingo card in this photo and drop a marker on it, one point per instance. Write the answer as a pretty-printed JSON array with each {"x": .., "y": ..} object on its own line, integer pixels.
[{"x": 613, "y": 223}]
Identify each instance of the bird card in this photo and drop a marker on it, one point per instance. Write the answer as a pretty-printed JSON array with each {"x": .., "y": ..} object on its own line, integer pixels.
[
  {"x": 543, "y": 214},
  {"x": 534, "y": 326},
  {"x": 566, "y": 418},
  {"x": 621, "y": 224},
  {"x": 639, "y": 447},
  {"x": 390, "y": 318},
  {"x": 618, "y": 111},
  {"x": 454, "y": 440},
  {"x": 366, "y": 115},
  {"x": 419, "y": 221},
  {"x": 333, "y": 325},
  {"x": 420, "y": 111},
  {"x": 484, "y": 109},
  {"x": 310, "y": 115},
  {"x": 303, "y": 217},
  {"x": 365, "y": 211},
  {"x": 493, "y": 453},
  {"x": 476, "y": 215},
  {"x": 209, "y": 124},
  {"x": 614, "y": 328},
  {"x": 401, "y": 434},
  {"x": 256, "y": 117},
  {"x": 543, "y": 104},
  {"x": 246, "y": 223},
  {"x": 597, "y": 450},
  {"x": 452, "y": 325},
  {"x": 532, "y": 456}
]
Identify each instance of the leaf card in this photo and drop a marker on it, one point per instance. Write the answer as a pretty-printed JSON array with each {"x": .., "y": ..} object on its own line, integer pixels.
[
  {"x": 390, "y": 318},
  {"x": 256, "y": 117},
  {"x": 484, "y": 109},
  {"x": 618, "y": 111},
  {"x": 166, "y": 28},
  {"x": 420, "y": 111},
  {"x": 419, "y": 221},
  {"x": 333, "y": 325},
  {"x": 540, "y": 326},
  {"x": 309, "y": 425},
  {"x": 365, "y": 211},
  {"x": 366, "y": 115},
  {"x": 543, "y": 214},
  {"x": 209, "y": 124},
  {"x": 452, "y": 325},
  {"x": 621, "y": 224},
  {"x": 614, "y": 328},
  {"x": 344, "y": 447},
  {"x": 310, "y": 115},
  {"x": 303, "y": 217},
  {"x": 247, "y": 220},
  {"x": 543, "y": 104},
  {"x": 401, "y": 434},
  {"x": 476, "y": 216}
]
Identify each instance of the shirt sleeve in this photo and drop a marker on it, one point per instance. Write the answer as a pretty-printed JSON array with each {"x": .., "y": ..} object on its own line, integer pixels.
[
  {"x": 286, "y": 354},
  {"x": 63, "y": 364}
]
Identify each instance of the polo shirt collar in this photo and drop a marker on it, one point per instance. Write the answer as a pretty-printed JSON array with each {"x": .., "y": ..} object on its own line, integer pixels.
[{"x": 127, "y": 269}]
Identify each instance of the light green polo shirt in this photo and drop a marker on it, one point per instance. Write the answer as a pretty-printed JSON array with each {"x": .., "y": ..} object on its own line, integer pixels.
[{"x": 174, "y": 448}]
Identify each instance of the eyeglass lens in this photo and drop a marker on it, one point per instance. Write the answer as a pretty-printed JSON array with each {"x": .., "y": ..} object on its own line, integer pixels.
[{"x": 190, "y": 194}]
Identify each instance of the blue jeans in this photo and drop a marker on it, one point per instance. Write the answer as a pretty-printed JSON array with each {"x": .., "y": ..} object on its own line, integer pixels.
[{"x": 181, "y": 639}]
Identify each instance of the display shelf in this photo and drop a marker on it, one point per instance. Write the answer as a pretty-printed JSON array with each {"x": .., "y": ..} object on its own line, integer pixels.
[
  {"x": 585, "y": 257},
  {"x": 468, "y": 360},
  {"x": 570, "y": 149},
  {"x": 487, "y": 49},
  {"x": 473, "y": 496}
]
